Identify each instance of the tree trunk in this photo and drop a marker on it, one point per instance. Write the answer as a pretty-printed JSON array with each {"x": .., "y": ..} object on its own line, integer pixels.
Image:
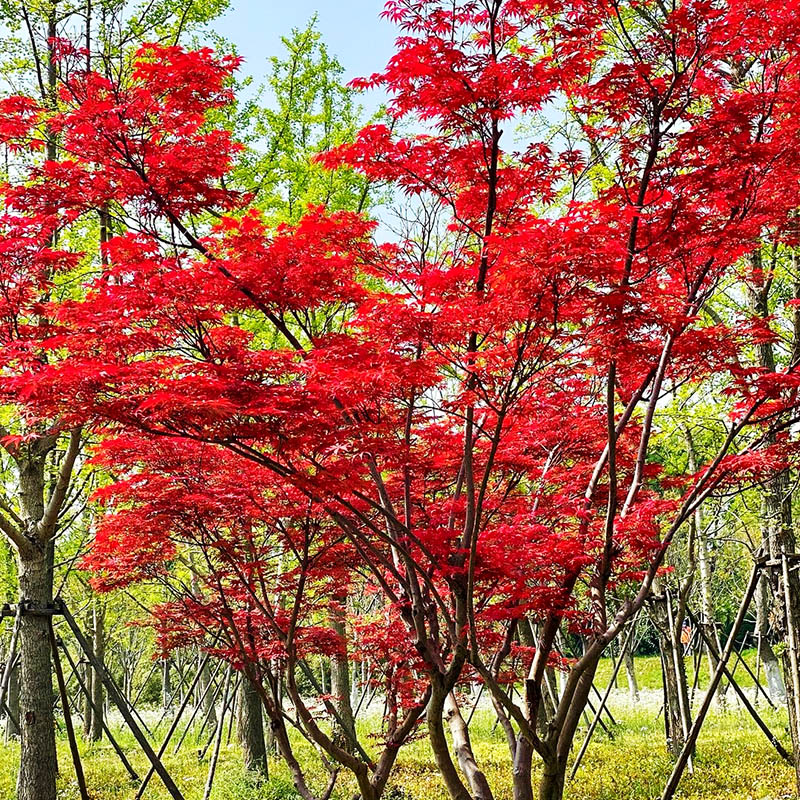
[
  {"x": 99, "y": 647},
  {"x": 38, "y": 765},
  {"x": 781, "y": 540},
  {"x": 560, "y": 738},
  {"x": 250, "y": 728},
  {"x": 522, "y": 784},
  {"x": 676, "y": 695},
  {"x": 88, "y": 677},
  {"x": 553, "y": 778},
  {"x": 340, "y": 685},
  {"x": 462, "y": 746},
  {"x": 630, "y": 674},
  {"x": 439, "y": 745},
  {"x": 766, "y": 655},
  {"x": 776, "y": 524}
]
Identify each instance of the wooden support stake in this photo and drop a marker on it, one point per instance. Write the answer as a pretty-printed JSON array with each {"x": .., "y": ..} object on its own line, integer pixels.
[
  {"x": 226, "y": 701},
  {"x": 10, "y": 714},
  {"x": 172, "y": 698},
  {"x": 697, "y": 662},
  {"x": 12, "y": 652},
  {"x": 749, "y": 706},
  {"x": 144, "y": 685},
  {"x": 605, "y": 707},
  {"x": 173, "y": 726},
  {"x": 218, "y": 739},
  {"x": 753, "y": 675},
  {"x": 795, "y": 676},
  {"x": 602, "y": 724},
  {"x": 234, "y": 707},
  {"x": 121, "y": 704},
  {"x": 680, "y": 764},
  {"x": 102, "y": 717},
  {"x": 62, "y": 690},
  {"x": 606, "y": 695},
  {"x": 207, "y": 716},
  {"x": 197, "y": 707}
]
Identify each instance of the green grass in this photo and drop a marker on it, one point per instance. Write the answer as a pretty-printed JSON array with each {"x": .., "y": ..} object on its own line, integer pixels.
[
  {"x": 648, "y": 671},
  {"x": 734, "y": 760}
]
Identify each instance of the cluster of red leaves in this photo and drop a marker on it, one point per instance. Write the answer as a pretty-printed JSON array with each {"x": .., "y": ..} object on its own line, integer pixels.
[{"x": 307, "y": 408}]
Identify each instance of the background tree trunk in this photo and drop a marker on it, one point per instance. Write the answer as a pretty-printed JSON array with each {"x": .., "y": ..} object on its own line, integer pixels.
[
  {"x": 250, "y": 728},
  {"x": 776, "y": 520},
  {"x": 630, "y": 674},
  {"x": 676, "y": 695},
  {"x": 166, "y": 684},
  {"x": 766, "y": 655},
  {"x": 99, "y": 647},
  {"x": 781, "y": 540},
  {"x": 88, "y": 678}
]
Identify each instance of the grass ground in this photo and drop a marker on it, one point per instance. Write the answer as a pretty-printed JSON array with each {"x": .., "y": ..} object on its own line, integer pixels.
[{"x": 734, "y": 760}]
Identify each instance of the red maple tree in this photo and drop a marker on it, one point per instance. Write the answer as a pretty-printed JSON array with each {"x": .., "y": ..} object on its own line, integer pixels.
[{"x": 472, "y": 408}]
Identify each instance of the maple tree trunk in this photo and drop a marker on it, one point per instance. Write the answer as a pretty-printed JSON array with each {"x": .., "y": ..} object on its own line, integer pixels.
[
  {"x": 99, "y": 647},
  {"x": 340, "y": 686},
  {"x": 250, "y": 728},
  {"x": 38, "y": 765},
  {"x": 440, "y": 746},
  {"x": 270, "y": 693},
  {"x": 559, "y": 741},
  {"x": 462, "y": 746},
  {"x": 522, "y": 785},
  {"x": 553, "y": 778}
]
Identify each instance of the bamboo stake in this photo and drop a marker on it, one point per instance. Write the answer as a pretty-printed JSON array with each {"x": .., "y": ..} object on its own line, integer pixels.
[
  {"x": 680, "y": 764},
  {"x": 120, "y": 752},
  {"x": 197, "y": 707},
  {"x": 62, "y": 690},
  {"x": 604, "y": 700},
  {"x": 223, "y": 711},
  {"x": 12, "y": 652},
  {"x": 121, "y": 704},
  {"x": 144, "y": 685},
  {"x": 218, "y": 739},
  {"x": 172, "y": 727},
  {"x": 235, "y": 699}
]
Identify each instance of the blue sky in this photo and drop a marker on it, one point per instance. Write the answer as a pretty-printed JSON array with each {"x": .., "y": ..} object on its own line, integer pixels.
[{"x": 352, "y": 30}]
